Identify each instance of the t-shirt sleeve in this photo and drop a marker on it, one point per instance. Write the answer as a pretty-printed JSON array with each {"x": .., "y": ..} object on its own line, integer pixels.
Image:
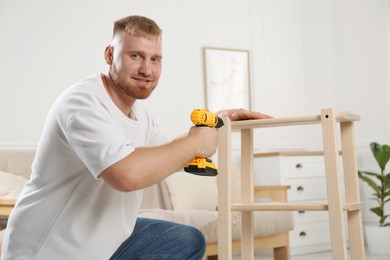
[{"x": 97, "y": 140}]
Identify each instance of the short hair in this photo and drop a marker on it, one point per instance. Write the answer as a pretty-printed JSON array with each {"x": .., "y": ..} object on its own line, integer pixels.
[{"x": 138, "y": 26}]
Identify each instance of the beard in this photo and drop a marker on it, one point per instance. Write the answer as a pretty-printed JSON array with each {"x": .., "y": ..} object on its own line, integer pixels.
[{"x": 129, "y": 89}]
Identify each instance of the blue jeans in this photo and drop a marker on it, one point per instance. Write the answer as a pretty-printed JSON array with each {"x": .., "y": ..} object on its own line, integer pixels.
[{"x": 159, "y": 239}]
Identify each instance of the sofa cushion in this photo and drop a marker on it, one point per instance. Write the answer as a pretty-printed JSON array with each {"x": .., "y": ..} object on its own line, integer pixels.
[
  {"x": 189, "y": 191},
  {"x": 157, "y": 196},
  {"x": 206, "y": 221},
  {"x": 17, "y": 162},
  {"x": 11, "y": 185}
]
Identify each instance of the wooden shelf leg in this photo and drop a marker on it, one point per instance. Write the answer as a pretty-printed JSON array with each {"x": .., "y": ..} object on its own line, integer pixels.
[
  {"x": 336, "y": 220},
  {"x": 224, "y": 192},
  {"x": 352, "y": 190},
  {"x": 247, "y": 194}
]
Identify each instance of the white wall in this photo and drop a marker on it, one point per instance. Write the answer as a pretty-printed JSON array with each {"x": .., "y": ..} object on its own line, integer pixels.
[
  {"x": 306, "y": 55},
  {"x": 323, "y": 53}
]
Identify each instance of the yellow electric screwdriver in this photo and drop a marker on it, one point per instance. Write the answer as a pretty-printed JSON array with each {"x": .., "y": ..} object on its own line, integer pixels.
[{"x": 198, "y": 165}]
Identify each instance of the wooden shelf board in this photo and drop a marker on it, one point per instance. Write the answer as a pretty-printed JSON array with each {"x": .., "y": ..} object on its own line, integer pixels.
[
  {"x": 288, "y": 206},
  {"x": 291, "y": 121}
]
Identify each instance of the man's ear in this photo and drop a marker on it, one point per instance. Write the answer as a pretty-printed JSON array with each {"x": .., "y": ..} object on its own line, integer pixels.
[{"x": 108, "y": 54}]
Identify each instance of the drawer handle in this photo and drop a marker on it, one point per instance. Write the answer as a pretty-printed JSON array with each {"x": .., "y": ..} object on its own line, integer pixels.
[
  {"x": 300, "y": 188},
  {"x": 302, "y": 234},
  {"x": 301, "y": 212},
  {"x": 298, "y": 166}
]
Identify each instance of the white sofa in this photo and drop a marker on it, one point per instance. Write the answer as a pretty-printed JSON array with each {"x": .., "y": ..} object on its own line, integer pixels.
[{"x": 182, "y": 198}]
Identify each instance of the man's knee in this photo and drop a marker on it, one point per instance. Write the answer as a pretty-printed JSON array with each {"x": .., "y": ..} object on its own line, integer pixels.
[
  {"x": 195, "y": 242},
  {"x": 166, "y": 238}
]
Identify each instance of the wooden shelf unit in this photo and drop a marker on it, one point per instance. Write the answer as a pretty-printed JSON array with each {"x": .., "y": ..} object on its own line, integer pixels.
[{"x": 328, "y": 118}]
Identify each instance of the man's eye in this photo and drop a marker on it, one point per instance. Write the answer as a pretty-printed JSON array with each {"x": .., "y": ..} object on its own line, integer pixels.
[
  {"x": 156, "y": 60},
  {"x": 135, "y": 56}
]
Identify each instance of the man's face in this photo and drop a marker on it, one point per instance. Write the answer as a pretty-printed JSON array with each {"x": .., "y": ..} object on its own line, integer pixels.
[{"x": 136, "y": 64}]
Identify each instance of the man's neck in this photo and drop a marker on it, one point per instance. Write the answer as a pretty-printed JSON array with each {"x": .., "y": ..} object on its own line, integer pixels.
[{"x": 118, "y": 97}]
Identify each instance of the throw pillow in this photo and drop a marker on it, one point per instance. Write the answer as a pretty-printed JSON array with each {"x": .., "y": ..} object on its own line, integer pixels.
[
  {"x": 11, "y": 185},
  {"x": 189, "y": 191}
]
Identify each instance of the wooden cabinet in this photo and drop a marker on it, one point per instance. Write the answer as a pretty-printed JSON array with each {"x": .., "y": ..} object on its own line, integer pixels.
[{"x": 305, "y": 173}]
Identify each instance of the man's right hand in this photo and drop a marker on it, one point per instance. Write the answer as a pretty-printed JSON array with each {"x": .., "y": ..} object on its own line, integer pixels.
[{"x": 205, "y": 140}]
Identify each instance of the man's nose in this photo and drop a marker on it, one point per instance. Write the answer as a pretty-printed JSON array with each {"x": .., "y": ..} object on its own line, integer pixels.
[{"x": 145, "y": 68}]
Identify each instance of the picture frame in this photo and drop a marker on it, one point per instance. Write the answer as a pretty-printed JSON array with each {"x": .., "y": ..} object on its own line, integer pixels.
[{"x": 227, "y": 78}]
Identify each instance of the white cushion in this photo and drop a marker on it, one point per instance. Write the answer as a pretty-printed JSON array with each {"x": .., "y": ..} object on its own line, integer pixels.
[
  {"x": 11, "y": 185},
  {"x": 189, "y": 191}
]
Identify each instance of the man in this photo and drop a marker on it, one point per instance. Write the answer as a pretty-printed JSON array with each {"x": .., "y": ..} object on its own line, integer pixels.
[{"x": 99, "y": 149}]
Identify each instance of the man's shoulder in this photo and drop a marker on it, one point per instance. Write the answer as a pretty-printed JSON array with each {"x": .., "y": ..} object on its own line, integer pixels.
[
  {"x": 85, "y": 88},
  {"x": 88, "y": 84}
]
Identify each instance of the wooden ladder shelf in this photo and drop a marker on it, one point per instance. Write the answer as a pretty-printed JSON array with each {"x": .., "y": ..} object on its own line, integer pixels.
[{"x": 335, "y": 206}]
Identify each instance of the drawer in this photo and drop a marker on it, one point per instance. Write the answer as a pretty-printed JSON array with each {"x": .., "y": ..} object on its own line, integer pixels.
[
  {"x": 299, "y": 167},
  {"x": 304, "y": 217},
  {"x": 307, "y": 189},
  {"x": 307, "y": 166},
  {"x": 308, "y": 235},
  {"x": 310, "y": 189},
  {"x": 274, "y": 170}
]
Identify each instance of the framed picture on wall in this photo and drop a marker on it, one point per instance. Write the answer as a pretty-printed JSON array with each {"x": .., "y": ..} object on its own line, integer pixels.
[{"x": 227, "y": 78}]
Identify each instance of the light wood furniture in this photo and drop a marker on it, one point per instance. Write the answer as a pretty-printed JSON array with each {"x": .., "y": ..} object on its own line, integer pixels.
[
  {"x": 304, "y": 171},
  {"x": 6, "y": 207},
  {"x": 279, "y": 243},
  {"x": 335, "y": 206}
]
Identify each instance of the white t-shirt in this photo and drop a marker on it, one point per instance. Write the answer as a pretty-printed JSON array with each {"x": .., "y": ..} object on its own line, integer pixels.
[{"x": 66, "y": 211}]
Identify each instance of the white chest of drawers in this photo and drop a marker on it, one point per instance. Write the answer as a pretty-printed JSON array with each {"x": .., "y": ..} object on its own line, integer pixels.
[{"x": 305, "y": 173}]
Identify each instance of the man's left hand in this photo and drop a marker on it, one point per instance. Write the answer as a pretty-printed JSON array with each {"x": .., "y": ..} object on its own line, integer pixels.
[{"x": 242, "y": 114}]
